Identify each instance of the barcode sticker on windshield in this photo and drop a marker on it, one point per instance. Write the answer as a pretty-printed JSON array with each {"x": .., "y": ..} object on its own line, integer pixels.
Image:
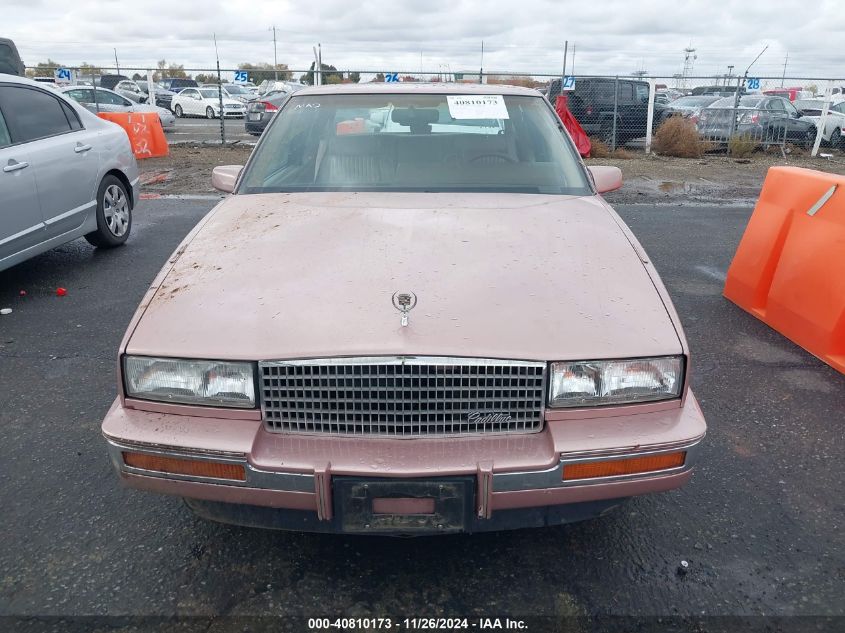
[{"x": 477, "y": 106}]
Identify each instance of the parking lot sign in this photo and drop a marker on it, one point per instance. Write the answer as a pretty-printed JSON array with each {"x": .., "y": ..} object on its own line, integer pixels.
[
  {"x": 390, "y": 77},
  {"x": 753, "y": 83},
  {"x": 569, "y": 82},
  {"x": 63, "y": 75},
  {"x": 241, "y": 76}
]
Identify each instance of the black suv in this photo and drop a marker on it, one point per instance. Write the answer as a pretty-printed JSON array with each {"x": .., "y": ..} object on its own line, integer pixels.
[
  {"x": 10, "y": 61},
  {"x": 175, "y": 84},
  {"x": 591, "y": 102}
]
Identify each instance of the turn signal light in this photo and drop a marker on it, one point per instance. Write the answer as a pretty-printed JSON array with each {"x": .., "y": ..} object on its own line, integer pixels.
[
  {"x": 629, "y": 466},
  {"x": 178, "y": 466}
]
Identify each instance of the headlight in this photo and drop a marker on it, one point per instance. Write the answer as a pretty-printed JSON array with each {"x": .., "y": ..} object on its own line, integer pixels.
[
  {"x": 204, "y": 382},
  {"x": 603, "y": 382}
]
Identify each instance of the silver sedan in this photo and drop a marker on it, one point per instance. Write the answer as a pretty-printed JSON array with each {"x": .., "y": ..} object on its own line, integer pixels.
[
  {"x": 66, "y": 173},
  {"x": 103, "y": 100}
]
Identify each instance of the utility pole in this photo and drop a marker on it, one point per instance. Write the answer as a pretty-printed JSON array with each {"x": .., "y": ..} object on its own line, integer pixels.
[
  {"x": 275, "y": 58},
  {"x": 565, "y": 50},
  {"x": 220, "y": 93},
  {"x": 481, "y": 67},
  {"x": 115, "y": 61},
  {"x": 785, "y": 62},
  {"x": 572, "y": 69}
]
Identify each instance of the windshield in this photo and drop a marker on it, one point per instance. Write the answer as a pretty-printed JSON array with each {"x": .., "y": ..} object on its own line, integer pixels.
[
  {"x": 234, "y": 89},
  {"x": 692, "y": 102},
  {"x": 211, "y": 93},
  {"x": 748, "y": 101},
  {"x": 809, "y": 104},
  {"x": 415, "y": 142}
]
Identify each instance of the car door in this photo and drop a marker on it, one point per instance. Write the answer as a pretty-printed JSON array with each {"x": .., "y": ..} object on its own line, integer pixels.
[
  {"x": 21, "y": 225},
  {"x": 61, "y": 153},
  {"x": 188, "y": 99},
  {"x": 796, "y": 126}
]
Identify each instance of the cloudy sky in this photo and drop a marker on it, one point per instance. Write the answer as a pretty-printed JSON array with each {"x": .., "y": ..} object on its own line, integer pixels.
[{"x": 609, "y": 36}]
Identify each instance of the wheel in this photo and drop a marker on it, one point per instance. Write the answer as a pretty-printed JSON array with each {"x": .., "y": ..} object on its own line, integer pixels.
[
  {"x": 114, "y": 214},
  {"x": 178, "y": 111},
  {"x": 809, "y": 139},
  {"x": 836, "y": 138},
  {"x": 606, "y": 133},
  {"x": 209, "y": 113}
]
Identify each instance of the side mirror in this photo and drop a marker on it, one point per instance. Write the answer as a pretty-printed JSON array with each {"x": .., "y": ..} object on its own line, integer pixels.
[
  {"x": 223, "y": 178},
  {"x": 606, "y": 178}
]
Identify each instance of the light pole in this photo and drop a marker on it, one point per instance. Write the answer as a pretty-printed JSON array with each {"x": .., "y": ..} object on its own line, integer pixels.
[{"x": 275, "y": 58}]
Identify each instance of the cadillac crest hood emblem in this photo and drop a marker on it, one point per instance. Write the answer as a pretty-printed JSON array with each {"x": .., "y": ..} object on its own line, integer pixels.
[{"x": 404, "y": 302}]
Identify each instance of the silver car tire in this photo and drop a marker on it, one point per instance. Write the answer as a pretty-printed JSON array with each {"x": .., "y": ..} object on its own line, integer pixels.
[
  {"x": 836, "y": 138},
  {"x": 178, "y": 111},
  {"x": 114, "y": 214},
  {"x": 209, "y": 113}
]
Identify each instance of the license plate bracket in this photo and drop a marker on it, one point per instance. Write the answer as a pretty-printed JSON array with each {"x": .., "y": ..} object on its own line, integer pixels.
[{"x": 453, "y": 499}]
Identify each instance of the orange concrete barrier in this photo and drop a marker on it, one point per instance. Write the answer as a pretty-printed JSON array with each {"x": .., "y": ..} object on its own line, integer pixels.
[
  {"x": 789, "y": 269},
  {"x": 144, "y": 130}
]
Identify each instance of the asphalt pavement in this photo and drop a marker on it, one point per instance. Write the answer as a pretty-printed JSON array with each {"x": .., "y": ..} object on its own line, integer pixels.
[
  {"x": 760, "y": 524},
  {"x": 199, "y": 130}
]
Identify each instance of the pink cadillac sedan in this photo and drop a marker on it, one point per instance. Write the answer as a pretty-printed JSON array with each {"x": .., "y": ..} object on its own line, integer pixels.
[{"x": 415, "y": 315}]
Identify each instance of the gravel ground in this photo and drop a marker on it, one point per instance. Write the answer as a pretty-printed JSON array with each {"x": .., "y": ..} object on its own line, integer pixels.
[{"x": 187, "y": 170}]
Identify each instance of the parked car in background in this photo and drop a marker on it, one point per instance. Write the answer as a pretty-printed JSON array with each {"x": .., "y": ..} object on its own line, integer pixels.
[
  {"x": 277, "y": 373},
  {"x": 103, "y": 100},
  {"x": 270, "y": 85},
  {"x": 721, "y": 91},
  {"x": 260, "y": 111},
  {"x": 834, "y": 123},
  {"x": 46, "y": 81},
  {"x": 239, "y": 92},
  {"x": 65, "y": 173},
  {"x": 175, "y": 84},
  {"x": 131, "y": 90},
  {"x": 687, "y": 107},
  {"x": 768, "y": 120},
  {"x": 163, "y": 96},
  {"x": 109, "y": 81},
  {"x": 593, "y": 103},
  {"x": 789, "y": 93},
  {"x": 10, "y": 60},
  {"x": 205, "y": 102}
]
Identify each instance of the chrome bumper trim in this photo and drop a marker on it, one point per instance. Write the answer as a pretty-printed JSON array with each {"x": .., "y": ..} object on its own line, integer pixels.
[
  {"x": 553, "y": 477},
  {"x": 491, "y": 482},
  {"x": 255, "y": 478}
]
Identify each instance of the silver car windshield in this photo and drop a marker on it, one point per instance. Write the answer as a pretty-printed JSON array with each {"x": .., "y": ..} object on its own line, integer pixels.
[{"x": 415, "y": 142}]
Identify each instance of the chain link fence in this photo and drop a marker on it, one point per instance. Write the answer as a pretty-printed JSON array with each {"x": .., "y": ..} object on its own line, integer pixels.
[{"x": 728, "y": 114}]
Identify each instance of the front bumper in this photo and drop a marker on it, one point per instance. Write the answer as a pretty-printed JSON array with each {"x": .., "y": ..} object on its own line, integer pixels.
[{"x": 297, "y": 481}]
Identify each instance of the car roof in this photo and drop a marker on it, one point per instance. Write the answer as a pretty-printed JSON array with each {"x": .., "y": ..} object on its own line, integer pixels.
[{"x": 418, "y": 88}]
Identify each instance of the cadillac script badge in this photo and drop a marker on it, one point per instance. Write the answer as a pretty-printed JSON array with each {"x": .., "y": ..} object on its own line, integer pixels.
[{"x": 404, "y": 302}]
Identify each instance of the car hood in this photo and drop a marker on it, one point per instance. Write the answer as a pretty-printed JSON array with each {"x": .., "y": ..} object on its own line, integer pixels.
[{"x": 300, "y": 275}]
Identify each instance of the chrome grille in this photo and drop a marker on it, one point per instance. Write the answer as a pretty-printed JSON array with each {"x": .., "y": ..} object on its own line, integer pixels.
[{"x": 403, "y": 396}]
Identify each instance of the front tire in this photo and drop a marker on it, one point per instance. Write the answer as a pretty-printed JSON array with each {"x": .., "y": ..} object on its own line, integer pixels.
[
  {"x": 836, "y": 138},
  {"x": 114, "y": 214},
  {"x": 178, "y": 111},
  {"x": 809, "y": 139},
  {"x": 209, "y": 113}
]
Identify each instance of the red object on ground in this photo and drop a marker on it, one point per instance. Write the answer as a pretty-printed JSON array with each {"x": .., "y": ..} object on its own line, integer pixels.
[
  {"x": 582, "y": 141},
  {"x": 23, "y": 293},
  {"x": 61, "y": 292}
]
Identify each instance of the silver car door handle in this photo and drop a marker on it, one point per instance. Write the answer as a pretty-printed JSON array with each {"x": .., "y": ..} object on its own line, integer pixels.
[
  {"x": 81, "y": 148},
  {"x": 15, "y": 166}
]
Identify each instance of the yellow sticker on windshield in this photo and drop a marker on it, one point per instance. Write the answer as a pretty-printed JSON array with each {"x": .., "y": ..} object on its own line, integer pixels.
[{"x": 477, "y": 106}]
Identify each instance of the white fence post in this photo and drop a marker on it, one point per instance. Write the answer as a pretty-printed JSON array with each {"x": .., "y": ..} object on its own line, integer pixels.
[
  {"x": 822, "y": 120},
  {"x": 151, "y": 90},
  {"x": 650, "y": 119}
]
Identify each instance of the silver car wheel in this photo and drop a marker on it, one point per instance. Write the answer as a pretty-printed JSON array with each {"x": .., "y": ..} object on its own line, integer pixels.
[{"x": 116, "y": 210}]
